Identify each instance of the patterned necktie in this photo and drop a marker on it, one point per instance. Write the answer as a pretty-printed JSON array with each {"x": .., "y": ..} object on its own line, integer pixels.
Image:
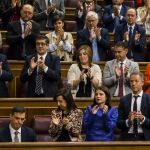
[
  {"x": 38, "y": 88},
  {"x": 130, "y": 33},
  {"x": 120, "y": 93},
  {"x": 16, "y": 138},
  {"x": 135, "y": 122},
  {"x": 49, "y": 2}
]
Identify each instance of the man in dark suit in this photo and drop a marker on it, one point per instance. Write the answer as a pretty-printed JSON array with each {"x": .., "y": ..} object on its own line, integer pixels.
[
  {"x": 16, "y": 131},
  {"x": 114, "y": 14},
  {"x": 41, "y": 71},
  {"x": 46, "y": 10},
  {"x": 5, "y": 75},
  {"x": 22, "y": 34},
  {"x": 132, "y": 33},
  {"x": 134, "y": 112},
  {"x": 83, "y": 8},
  {"x": 97, "y": 38}
]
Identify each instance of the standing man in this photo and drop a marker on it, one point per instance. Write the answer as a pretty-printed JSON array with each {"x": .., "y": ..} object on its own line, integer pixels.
[
  {"x": 132, "y": 33},
  {"x": 16, "y": 131},
  {"x": 97, "y": 38},
  {"x": 22, "y": 34},
  {"x": 41, "y": 71},
  {"x": 114, "y": 14},
  {"x": 134, "y": 112},
  {"x": 5, "y": 75},
  {"x": 116, "y": 72},
  {"x": 46, "y": 10}
]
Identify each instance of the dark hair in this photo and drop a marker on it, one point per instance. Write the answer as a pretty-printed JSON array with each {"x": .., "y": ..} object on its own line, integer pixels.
[
  {"x": 122, "y": 44},
  {"x": 137, "y": 73},
  {"x": 42, "y": 37},
  {"x": 88, "y": 50},
  {"x": 67, "y": 95},
  {"x": 107, "y": 93},
  {"x": 56, "y": 18},
  {"x": 18, "y": 109}
]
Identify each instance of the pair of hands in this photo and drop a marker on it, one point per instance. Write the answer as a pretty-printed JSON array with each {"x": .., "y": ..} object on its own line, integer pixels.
[
  {"x": 95, "y": 33},
  {"x": 15, "y": 3},
  {"x": 56, "y": 120},
  {"x": 116, "y": 11},
  {"x": 51, "y": 8},
  {"x": 135, "y": 115},
  {"x": 86, "y": 73},
  {"x": 96, "y": 107},
  {"x": 118, "y": 71},
  {"x": 136, "y": 38},
  {"x": 28, "y": 29},
  {"x": 40, "y": 63}
]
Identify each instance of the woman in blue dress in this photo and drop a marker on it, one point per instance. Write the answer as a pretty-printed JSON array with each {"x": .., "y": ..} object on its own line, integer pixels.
[{"x": 100, "y": 118}]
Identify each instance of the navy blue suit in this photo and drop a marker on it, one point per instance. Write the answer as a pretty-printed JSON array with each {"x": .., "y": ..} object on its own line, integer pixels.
[
  {"x": 83, "y": 37},
  {"x": 50, "y": 78},
  {"x": 16, "y": 42},
  {"x": 108, "y": 20},
  {"x": 27, "y": 134},
  {"x": 5, "y": 76},
  {"x": 81, "y": 21},
  {"x": 124, "y": 110},
  {"x": 136, "y": 47}
]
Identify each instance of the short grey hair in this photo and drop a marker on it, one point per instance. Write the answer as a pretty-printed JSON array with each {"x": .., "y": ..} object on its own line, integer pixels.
[{"x": 92, "y": 14}]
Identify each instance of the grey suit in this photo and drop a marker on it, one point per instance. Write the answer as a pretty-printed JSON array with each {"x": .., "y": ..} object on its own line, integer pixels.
[
  {"x": 109, "y": 76},
  {"x": 40, "y": 15}
]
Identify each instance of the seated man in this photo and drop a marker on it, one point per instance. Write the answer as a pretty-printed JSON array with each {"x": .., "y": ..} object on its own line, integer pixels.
[
  {"x": 41, "y": 70},
  {"x": 132, "y": 33},
  {"x": 60, "y": 42},
  {"x": 16, "y": 131},
  {"x": 116, "y": 72},
  {"x": 5, "y": 75}
]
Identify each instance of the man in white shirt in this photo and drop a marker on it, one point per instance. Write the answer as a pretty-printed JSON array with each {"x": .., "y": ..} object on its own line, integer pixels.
[{"x": 16, "y": 131}]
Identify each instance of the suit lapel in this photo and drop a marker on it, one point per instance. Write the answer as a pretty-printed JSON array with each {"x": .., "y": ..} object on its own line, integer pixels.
[
  {"x": 129, "y": 100},
  {"x": 143, "y": 103}
]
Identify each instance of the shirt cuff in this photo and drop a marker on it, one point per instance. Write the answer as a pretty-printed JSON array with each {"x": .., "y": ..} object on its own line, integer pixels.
[
  {"x": 29, "y": 72},
  {"x": 45, "y": 69}
]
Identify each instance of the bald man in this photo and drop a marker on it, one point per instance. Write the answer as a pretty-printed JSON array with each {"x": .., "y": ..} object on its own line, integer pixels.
[{"x": 22, "y": 34}]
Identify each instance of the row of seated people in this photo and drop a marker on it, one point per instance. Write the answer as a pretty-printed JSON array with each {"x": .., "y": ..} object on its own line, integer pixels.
[
  {"x": 41, "y": 72},
  {"x": 97, "y": 122},
  {"x": 22, "y": 44}
]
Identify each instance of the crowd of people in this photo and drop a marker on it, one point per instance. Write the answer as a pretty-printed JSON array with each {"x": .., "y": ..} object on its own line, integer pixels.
[{"x": 41, "y": 72}]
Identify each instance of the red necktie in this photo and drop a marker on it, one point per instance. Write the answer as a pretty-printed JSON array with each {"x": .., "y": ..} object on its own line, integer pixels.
[{"x": 120, "y": 93}]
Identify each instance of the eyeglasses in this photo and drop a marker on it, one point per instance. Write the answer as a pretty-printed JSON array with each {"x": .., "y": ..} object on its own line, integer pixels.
[{"x": 40, "y": 43}]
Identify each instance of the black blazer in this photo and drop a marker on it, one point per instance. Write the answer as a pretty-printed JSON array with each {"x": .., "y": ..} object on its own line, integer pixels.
[
  {"x": 15, "y": 40},
  {"x": 27, "y": 134},
  {"x": 50, "y": 78},
  {"x": 124, "y": 110},
  {"x": 103, "y": 44},
  {"x": 6, "y": 76}
]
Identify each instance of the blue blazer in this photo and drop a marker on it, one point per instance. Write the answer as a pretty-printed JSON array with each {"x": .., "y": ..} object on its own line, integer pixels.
[
  {"x": 108, "y": 20},
  {"x": 99, "y": 126},
  {"x": 136, "y": 47},
  {"x": 50, "y": 78},
  {"x": 124, "y": 110},
  {"x": 103, "y": 44},
  {"x": 5, "y": 76},
  {"x": 27, "y": 134}
]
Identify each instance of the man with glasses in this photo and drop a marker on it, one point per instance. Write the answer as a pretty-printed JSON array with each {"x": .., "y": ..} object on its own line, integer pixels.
[{"x": 41, "y": 71}]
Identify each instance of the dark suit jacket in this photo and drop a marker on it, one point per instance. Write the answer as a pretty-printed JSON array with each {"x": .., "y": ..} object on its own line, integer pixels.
[
  {"x": 136, "y": 47},
  {"x": 81, "y": 21},
  {"x": 6, "y": 76},
  {"x": 27, "y": 134},
  {"x": 108, "y": 20},
  {"x": 50, "y": 78},
  {"x": 103, "y": 43},
  {"x": 124, "y": 110},
  {"x": 16, "y": 41}
]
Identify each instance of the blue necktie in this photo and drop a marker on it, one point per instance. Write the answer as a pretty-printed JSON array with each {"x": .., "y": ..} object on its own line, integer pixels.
[{"x": 96, "y": 57}]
